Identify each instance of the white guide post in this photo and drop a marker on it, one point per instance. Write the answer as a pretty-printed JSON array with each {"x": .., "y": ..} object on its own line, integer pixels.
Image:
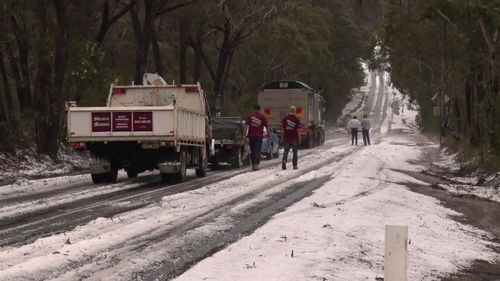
[{"x": 395, "y": 261}]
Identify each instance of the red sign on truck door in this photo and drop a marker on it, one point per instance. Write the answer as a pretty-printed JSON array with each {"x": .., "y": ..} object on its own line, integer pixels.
[
  {"x": 101, "y": 121},
  {"x": 143, "y": 121}
]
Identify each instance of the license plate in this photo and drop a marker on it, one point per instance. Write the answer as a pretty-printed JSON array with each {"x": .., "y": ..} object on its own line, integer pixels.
[{"x": 150, "y": 145}]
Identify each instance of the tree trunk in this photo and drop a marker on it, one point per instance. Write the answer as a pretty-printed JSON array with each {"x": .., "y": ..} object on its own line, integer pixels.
[
  {"x": 108, "y": 21},
  {"x": 50, "y": 83},
  {"x": 224, "y": 55},
  {"x": 143, "y": 39},
  {"x": 5, "y": 103},
  {"x": 157, "y": 54},
  {"x": 198, "y": 63},
  {"x": 18, "y": 102},
  {"x": 182, "y": 52},
  {"x": 22, "y": 75}
]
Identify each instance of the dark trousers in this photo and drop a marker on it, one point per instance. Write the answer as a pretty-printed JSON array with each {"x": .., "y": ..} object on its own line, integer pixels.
[
  {"x": 255, "y": 149},
  {"x": 293, "y": 145},
  {"x": 366, "y": 136},
  {"x": 354, "y": 133}
]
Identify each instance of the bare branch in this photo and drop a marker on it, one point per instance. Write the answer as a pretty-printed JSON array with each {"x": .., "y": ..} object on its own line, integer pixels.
[
  {"x": 461, "y": 34},
  {"x": 490, "y": 42},
  {"x": 165, "y": 10}
]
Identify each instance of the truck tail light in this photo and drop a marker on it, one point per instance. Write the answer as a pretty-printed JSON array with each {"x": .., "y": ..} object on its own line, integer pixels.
[
  {"x": 167, "y": 143},
  {"x": 192, "y": 89},
  {"x": 119, "y": 91},
  {"x": 303, "y": 131},
  {"x": 77, "y": 145}
]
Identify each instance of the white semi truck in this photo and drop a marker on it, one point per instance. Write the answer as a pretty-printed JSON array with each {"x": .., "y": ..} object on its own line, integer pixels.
[{"x": 144, "y": 127}]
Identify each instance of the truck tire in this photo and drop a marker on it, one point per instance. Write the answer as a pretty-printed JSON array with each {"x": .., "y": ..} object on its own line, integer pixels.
[
  {"x": 271, "y": 154},
  {"x": 131, "y": 174},
  {"x": 165, "y": 177},
  {"x": 181, "y": 175},
  {"x": 201, "y": 171},
  {"x": 310, "y": 140},
  {"x": 317, "y": 138},
  {"x": 97, "y": 178},
  {"x": 111, "y": 176},
  {"x": 236, "y": 161},
  {"x": 277, "y": 154}
]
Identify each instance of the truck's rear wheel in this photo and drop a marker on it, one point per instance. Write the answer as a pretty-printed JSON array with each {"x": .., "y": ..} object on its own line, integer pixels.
[
  {"x": 271, "y": 153},
  {"x": 132, "y": 174},
  {"x": 165, "y": 177},
  {"x": 277, "y": 154},
  {"x": 181, "y": 175},
  {"x": 317, "y": 138},
  {"x": 310, "y": 140},
  {"x": 111, "y": 176},
  {"x": 236, "y": 161},
  {"x": 201, "y": 171},
  {"x": 97, "y": 178}
]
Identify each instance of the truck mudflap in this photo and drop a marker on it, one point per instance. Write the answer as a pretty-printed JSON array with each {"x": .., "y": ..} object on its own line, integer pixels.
[
  {"x": 169, "y": 167},
  {"x": 99, "y": 165}
]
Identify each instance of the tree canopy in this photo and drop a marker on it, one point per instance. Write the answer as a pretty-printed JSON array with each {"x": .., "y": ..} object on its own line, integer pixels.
[
  {"x": 443, "y": 54},
  {"x": 52, "y": 51}
]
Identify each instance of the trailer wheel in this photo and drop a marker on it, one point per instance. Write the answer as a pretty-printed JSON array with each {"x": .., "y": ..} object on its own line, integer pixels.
[
  {"x": 201, "y": 171},
  {"x": 181, "y": 176}
]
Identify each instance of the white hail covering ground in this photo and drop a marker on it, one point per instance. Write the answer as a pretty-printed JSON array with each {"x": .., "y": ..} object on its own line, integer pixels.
[
  {"x": 342, "y": 238},
  {"x": 335, "y": 234}
]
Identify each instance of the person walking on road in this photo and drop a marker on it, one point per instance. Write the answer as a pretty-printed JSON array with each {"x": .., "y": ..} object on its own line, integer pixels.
[
  {"x": 254, "y": 132},
  {"x": 365, "y": 124},
  {"x": 354, "y": 124},
  {"x": 290, "y": 137}
]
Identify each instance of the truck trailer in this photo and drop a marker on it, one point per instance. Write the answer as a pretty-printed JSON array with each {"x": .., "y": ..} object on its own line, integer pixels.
[
  {"x": 144, "y": 127},
  {"x": 276, "y": 98}
]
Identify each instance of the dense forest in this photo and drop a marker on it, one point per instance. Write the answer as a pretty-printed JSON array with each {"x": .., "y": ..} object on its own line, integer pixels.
[
  {"x": 443, "y": 55},
  {"x": 52, "y": 51},
  {"x": 440, "y": 53}
]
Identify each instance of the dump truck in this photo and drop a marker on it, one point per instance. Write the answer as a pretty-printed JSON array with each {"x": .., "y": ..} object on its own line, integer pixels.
[
  {"x": 276, "y": 98},
  {"x": 144, "y": 127}
]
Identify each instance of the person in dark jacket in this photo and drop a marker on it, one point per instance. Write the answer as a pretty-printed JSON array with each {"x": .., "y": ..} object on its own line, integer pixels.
[
  {"x": 365, "y": 124},
  {"x": 290, "y": 137},
  {"x": 254, "y": 131},
  {"x": 353, "y": 125}
]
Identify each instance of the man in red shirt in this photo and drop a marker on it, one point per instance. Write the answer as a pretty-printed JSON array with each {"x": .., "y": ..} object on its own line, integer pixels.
[
  {"x": 290, "y": 136},
  {"x": 254, "y": 130}
]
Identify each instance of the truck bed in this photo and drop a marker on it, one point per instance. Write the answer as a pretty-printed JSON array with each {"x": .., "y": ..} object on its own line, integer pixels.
[{"x": 141, "y": 123}]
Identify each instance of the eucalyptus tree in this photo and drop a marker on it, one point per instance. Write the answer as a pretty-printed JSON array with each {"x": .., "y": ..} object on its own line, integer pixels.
[
  {"x": 439, "y": 48},
  {"x": 144, "y": 29}
]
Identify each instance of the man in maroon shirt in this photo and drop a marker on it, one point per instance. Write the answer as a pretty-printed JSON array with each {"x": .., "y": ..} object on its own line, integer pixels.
[
  {"x": 254, "y": 130},
  {"x": 290, "y": 137}
]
